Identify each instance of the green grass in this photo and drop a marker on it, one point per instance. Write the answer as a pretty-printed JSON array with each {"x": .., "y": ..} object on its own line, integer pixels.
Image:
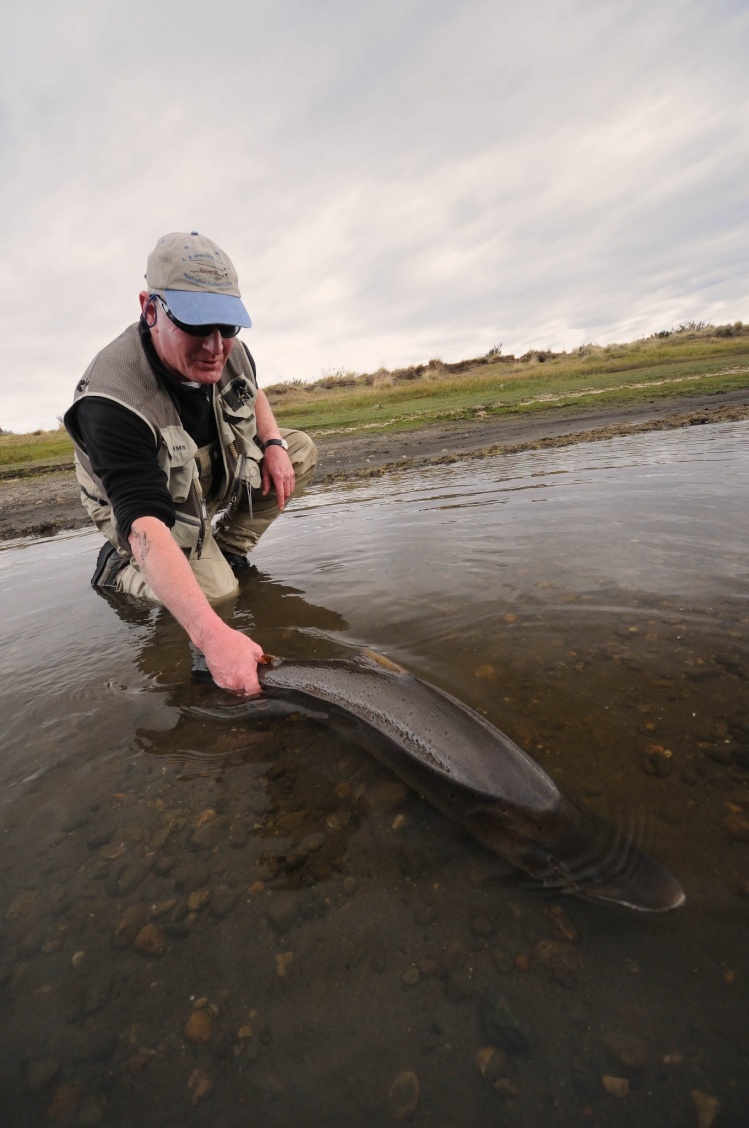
[
  {"x": 41, "y": 447},
  {"x": 500, "y": 389}
]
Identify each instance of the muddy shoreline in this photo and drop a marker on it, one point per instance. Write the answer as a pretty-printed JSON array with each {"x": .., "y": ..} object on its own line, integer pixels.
[{"x": 44, "y": 504}]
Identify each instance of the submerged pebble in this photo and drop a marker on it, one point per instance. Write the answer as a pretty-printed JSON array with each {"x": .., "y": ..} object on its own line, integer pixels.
[
  {"x": 403, "y": 1095},
  {"x": 283, "y": 962},
  {"x": 151, "y": 940},
  {"x": 428, "y": 966},
  {"x": 491, "y": 1062},
  {"x": 199, "y": 1027},
  {"x": 22, "y": 905},
  {"x": 615, "y": 1086},
  {"x": 505, "y": 1087},
  {"x": 131, "y": 877},
  {"x": 131, "y": 922},
  {"x": 223, "y": 902},
  {"x": 64, "y": 1102},
  {"x": 290, "y": 821},
  {"x": 736, "y": 826},
  {"x": 629, "y": 1050},
  {"x": 198, "y": 900},
  {"x": 199, "y": 1085},
  {"x": 706, "y": 1107}
]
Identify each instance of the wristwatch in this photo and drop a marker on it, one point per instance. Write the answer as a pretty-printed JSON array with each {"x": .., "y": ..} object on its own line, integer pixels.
[{"x": 276, "y": 442}]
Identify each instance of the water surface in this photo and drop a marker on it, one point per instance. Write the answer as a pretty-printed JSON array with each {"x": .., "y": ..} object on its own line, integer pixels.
[{"x": 313, "y": 932}]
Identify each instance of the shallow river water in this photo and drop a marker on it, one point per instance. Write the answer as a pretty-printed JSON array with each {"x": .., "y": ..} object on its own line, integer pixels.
[{"x": 214, "y": 921}]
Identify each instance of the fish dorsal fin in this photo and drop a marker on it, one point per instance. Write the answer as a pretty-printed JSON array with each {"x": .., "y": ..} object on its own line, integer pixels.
[{"x": 371, "y": 660}]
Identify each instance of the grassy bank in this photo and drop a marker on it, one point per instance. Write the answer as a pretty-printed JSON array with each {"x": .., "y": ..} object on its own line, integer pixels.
[
  {"x": 694, "y": 360},
  {"x": 37, "y": 450}
]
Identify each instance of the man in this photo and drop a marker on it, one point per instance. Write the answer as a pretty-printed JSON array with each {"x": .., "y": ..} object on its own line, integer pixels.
[{"x": 181, "y": 464}]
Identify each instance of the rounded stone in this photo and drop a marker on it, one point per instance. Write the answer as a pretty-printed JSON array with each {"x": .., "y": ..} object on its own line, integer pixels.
[
  {"x": 199, "y": 1085},
  {"x": 199, "y": 1027},
  {"x": 151, "y": 940},
  {"x": 403, "y": 1095},
  {"x": 616, "y": 1086},
  {"x": 131, "y": 922}
]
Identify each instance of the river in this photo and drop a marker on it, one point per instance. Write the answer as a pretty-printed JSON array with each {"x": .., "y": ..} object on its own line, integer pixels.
[{"x": 213, "y": 920}]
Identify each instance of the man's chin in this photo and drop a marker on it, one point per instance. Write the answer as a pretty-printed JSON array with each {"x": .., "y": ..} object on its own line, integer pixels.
[{"x": 203, "y": 375}]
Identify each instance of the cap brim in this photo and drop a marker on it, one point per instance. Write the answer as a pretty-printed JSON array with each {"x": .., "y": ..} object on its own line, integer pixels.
[{"x": 196, "y": 308}]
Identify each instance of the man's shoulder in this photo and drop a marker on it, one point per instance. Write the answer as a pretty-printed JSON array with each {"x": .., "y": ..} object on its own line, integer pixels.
[
  {"x": 121, "y": 364},
  {"x": 127, "y": 346},
  {"x": 121, "y": 372}
]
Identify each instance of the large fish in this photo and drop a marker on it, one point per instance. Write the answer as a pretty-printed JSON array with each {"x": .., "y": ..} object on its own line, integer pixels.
[{"x": 478, "y": 777}]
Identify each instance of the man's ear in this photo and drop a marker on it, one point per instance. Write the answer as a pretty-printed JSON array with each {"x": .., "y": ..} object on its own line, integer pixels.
[{"x": 148, "y": 308}]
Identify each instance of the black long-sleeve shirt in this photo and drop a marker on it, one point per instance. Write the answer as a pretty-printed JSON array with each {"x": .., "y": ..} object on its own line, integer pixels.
[{"x": 123, "y": 451}]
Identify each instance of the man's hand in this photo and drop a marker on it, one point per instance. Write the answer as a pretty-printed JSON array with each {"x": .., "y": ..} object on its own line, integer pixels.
[
  {"x": 232, "y": 658},
  {"x": 277, "y": 470}
]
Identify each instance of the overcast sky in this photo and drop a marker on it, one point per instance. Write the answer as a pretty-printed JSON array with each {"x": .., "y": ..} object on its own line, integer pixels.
[{"x": 395, "y": 180}]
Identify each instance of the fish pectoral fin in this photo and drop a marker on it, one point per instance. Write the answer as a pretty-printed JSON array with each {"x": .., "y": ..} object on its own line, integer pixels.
[{"x": 256, "y": 708}]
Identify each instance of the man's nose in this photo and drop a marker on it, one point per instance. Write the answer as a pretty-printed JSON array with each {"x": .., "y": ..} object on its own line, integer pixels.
[{"x": 213, "y": 343}]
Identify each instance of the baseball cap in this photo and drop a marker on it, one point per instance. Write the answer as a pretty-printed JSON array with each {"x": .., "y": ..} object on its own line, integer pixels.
[{"x": 198, "y": 281}]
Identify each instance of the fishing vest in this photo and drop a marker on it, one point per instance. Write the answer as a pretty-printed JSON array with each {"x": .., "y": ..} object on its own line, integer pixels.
[{"x": 121, "y": 372}]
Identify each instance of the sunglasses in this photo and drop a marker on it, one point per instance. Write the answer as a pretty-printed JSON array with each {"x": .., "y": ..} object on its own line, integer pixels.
[{"x": 226, "y": 331}]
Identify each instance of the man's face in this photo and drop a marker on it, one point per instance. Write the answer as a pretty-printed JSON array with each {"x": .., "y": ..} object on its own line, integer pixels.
[{"x": 200, "y": 359}]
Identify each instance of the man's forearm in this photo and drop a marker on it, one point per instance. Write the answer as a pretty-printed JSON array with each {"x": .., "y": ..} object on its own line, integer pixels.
[
  {"x": 232, "y": 657},
  {"x": 170, "y": 577}
]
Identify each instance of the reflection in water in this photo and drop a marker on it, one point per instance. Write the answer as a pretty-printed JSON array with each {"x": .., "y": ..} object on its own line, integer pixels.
[{"x": 238, "y": 921}]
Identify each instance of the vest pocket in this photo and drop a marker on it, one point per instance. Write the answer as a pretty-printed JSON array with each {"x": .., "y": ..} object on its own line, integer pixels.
[
  {"x": 239, "y": 432},
  {"x": 187, "y": 531},
  {"x": 177, "y": 460}
]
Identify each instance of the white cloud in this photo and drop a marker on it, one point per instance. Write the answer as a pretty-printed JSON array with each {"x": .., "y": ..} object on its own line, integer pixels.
[{"x": 393, "y": 181}]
